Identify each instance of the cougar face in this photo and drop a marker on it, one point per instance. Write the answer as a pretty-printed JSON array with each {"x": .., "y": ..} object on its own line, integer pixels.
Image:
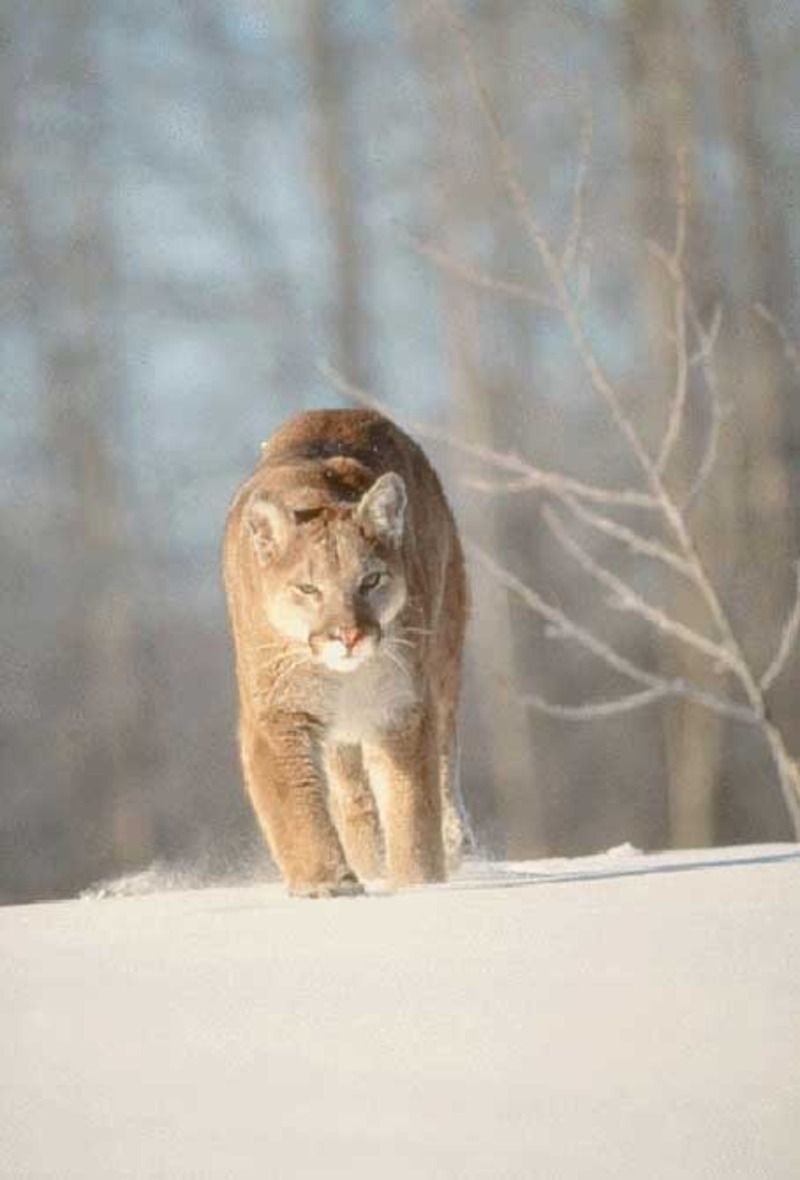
[{"x": 332, "y": 580}]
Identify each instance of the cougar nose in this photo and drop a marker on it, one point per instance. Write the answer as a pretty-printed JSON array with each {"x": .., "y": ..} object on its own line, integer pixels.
[{"x": 349, "y": 636}]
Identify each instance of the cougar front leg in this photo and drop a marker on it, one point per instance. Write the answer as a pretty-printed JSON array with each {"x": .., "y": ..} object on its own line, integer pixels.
[
  {"x": 284, "y": 779},
  {"x": 354, "y": 810},
  {"x": 403, "y": 768}
]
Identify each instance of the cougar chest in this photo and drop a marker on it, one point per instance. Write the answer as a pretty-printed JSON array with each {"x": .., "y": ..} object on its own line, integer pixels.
[{"x": 371, "y": 699}]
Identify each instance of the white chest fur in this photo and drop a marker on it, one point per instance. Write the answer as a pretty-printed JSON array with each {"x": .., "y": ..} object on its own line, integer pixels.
[{"x": 371, "y": 699}]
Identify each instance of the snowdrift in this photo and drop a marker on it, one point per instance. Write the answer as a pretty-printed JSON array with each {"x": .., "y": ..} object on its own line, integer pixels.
[{"x": 614, "y": 1017}]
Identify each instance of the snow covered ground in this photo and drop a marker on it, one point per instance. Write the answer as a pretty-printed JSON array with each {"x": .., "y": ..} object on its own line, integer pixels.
[{"x": 622, "y": 1017}]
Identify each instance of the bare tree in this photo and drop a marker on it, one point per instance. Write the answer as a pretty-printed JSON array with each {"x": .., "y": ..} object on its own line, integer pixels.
[{"x": 669, "y": 540}]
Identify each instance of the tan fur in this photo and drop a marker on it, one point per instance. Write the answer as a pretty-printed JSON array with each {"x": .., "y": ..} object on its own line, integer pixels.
[{"x": 348, "y": 603}]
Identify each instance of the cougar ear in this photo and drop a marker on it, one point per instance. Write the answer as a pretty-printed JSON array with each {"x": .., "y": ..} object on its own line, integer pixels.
[
  {"x": 381, "y": 510},
  {"x": 269, "y": 525}
]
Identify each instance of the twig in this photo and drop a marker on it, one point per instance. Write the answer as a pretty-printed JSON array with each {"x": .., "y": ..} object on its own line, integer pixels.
[
  {"x": 596, "y": 709},
  {"x": 476, "y": 277},
  {"x": 562, "y": 622},
  {"x": 647, "y": 546},
  {"x": 551, "y": 481},
  {"x": 705, "y": 355},
  {"x": 674, "y": 266},
  {"x": 788, "y": 639},
  {"x": 628, "y": 599},
  {"x": 526, "y": 475},
  {"x": 518, "y": 197},
  {"x": 790, "y": 350},
  {"x": 667, "y": 689},
  {"x": 574, "y": 234},
  {"x": 684, "y": 308},
  {"x": 570, "y": 629},
  {"x": 681, "y": 203},
  {"x": 706, "y": 336}
]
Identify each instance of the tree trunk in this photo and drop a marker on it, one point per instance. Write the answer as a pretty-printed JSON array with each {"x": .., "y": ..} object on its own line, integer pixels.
[
  {"x": 334, "y": 167},
  {"x": 658, "y": 75}
]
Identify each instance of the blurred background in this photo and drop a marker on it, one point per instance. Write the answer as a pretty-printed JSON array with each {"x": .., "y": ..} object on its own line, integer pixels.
[{"x": 200, "y": 203}]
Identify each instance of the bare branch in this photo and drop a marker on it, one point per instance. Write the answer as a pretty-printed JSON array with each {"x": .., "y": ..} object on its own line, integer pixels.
[
  {"x": 520, "y": 201},
  {"x": 476, "y": 277},
  {"x": 627, "y": 599},
  {"x": 790, "y": 350},
  {"x": 599, "y": 380},
  {"x": 709, "y": 700},
  {"x": 788, "y": 639},
  {"x": 562, "y": 622},
  {"x": 647, "y": 546},
  {"x": 526, "y": 475},
  {"x": 596, "y": 709},
  {"x": 674, "y": 267},
  {"x": 707, "y": 338},
  {"x": 575, "y": 232},
  {"x": 681, "y": 203},
  {"x": 551, "y": 481},
  {"x": 656, "y": 686},
  {"x": 788, "y": 773},
  {"x": 666, "y": 690}
]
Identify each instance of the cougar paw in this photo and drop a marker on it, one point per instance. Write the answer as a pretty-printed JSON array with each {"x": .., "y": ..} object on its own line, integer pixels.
[{"x": 347, "y": 886}]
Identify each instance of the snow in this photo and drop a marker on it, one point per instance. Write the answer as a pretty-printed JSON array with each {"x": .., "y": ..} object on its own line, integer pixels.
[{"x": 619, "y": 1016}]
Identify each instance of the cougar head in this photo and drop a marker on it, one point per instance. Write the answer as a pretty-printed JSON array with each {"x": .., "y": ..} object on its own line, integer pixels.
[{"x": 332, "y": 578}]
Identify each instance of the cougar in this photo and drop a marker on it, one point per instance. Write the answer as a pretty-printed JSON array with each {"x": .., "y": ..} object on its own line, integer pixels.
[{"x": 348, "y": 602}]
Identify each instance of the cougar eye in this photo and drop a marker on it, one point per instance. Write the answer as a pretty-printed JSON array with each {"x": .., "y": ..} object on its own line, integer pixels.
[
  {"x": 371, "y": 581},
  {"x": 308, "y": 589}
]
